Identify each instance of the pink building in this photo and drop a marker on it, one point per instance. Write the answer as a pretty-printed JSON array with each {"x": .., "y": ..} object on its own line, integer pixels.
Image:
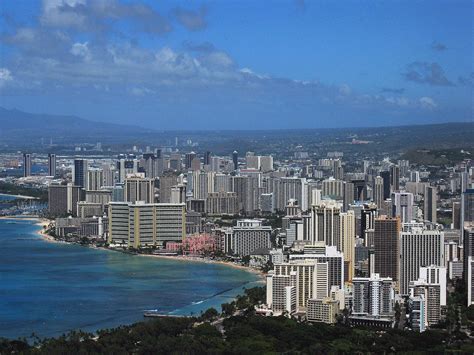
[{"x": 200, "y": 244}]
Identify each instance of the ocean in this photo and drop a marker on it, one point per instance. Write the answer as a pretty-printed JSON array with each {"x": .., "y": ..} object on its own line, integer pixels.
[{"x": 51, "y": 288}]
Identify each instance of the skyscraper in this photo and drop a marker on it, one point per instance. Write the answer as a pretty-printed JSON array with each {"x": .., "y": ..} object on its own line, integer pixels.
[
  {"x": 235, "y": 159},
  {"x": 373, "y": 296},
  {"x": 52, "y": 164},
  {"x": 419, "y": 248},
  {"x": 430, "y": 204},
  {"x": 385, "y": 175},
  {"x": 386, "y": 246},
  {"x": 347, "y": 242},
  {"x": 207, "y": 158},
  {"x": 402, "y": 206},
  {"x": 378, "y": 191},
  {"x": 79, "y": 177},
  {"x": 95, "y": 179},
  {"x": 326, "y": 225},
  {"x": 26, "y": 164},
  {"x": 188, "y": 158},
  {"x": 139, "y": 188},
  {"x": 394, "y": 178}
]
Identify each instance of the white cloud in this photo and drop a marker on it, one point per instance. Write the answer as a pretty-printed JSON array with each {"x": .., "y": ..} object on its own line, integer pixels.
[
  {"x": 5, "y": 76},
  {"x": 427, "y": 103},
  {"x": 81, "y": 50}
]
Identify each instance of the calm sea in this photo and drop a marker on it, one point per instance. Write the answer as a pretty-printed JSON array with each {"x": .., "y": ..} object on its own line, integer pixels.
[{"x": 51, "y": 288}]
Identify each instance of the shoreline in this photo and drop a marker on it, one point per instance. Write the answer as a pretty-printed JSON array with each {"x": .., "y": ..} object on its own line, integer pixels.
[
  {"x": 20, "y": 196},
  {"x": 42, "y": 222},
  {"x": 207, "y": 261}
]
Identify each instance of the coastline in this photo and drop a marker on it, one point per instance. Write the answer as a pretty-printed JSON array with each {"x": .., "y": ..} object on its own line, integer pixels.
[
  {"x": 43, "y": 222},
  {"x": 20, "y": 196},
  {"x": 203, "y": 260}
]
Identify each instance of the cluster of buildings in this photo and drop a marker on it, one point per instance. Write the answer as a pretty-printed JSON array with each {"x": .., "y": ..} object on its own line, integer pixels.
[{"x": 361, "y": 240}]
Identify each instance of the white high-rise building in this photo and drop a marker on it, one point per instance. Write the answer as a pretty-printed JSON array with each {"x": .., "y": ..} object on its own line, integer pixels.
[
  {"x": 419, "y": 248},
  {"x": 311, "y": 279},
  {"x": 436, "y": 275},
  {"x": 373, "y": 296}
]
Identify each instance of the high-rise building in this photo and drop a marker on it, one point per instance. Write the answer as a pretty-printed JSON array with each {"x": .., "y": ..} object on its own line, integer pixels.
[
  {"x": 467, "y": 209},
  {"x": 326, "y": 225},
  {"x": 79, "y": 176},
  {"x": 431, "y": 293},
  {"x": 378, "y": 191},
  {"x": 142, "y": 224},
  {"x": 373, "y": 296},
  {"x": 311, "y": 279},
  {"x": 167, "y": 182},
  {"x": 150, "y": 165},
  {"x": 126, "y": 164},
  {"x": 95, "y": 179},
  {"x": 368, "y": 213},
  {"x": 139, "y": 188},
  {"x": 324, "y": 254},
  {"x": 468, "y": 260},
  {"x": 207, "y": 158},
  {"x": 385, "y": 175},
  {"x": 52, "y": 164},
  {"x": 222, "y": 182},
  {"x": 402, "y": 206},
  {"x": 404, "y": 166},
  {"x": 394, "y": 178},
  {"x": 430, "y": 204},
  {"x": 218, "y": 203},
  {"x": 419, "y": 248},
  {"x": 235, "y": 159},
  {"x": 26, "y": 164},
  {"x": 188, "y": 158},
  {"x": 281, "y": 293},
  {"x": 386, "y": 247},
  {"x": 63, "y": 199},
  {"x": 322, "y": 310},
  {"x": 348, "y": 195},
  {"x": 333, "y": 188},
  {"x": 436, "y": 275},
  {"x": 347, "y": 242},
  {"x": 250, "y": 235}
]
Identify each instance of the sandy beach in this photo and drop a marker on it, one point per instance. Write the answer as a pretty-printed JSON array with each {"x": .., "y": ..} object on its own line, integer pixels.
[{"x": 203, "y": 260}]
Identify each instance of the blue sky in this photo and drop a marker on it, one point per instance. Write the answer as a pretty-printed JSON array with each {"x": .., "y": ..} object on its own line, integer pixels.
[{"x": 239, "y": 64}]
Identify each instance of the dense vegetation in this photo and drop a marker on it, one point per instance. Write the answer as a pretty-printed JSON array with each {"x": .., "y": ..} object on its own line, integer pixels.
[
  {"x": 241, "y": 333},
  {"x": 12, "y": 189},
  {"x": 436, "y": 157}
]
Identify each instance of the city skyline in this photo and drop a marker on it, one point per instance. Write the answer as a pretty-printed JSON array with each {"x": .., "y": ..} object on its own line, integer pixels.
[{"x": 219, "y": 65}]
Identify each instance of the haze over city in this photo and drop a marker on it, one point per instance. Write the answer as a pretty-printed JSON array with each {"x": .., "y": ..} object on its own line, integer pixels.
[{"x": 239, "y": 65}]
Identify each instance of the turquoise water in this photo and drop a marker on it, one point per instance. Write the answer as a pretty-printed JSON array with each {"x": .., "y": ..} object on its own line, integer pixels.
[{"x": 51, "y": 288}]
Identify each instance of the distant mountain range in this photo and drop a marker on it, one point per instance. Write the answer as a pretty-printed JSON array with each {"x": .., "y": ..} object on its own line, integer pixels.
[
  {"x": 15, "y": 123},
  {"x": 20, "y": 130}
]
